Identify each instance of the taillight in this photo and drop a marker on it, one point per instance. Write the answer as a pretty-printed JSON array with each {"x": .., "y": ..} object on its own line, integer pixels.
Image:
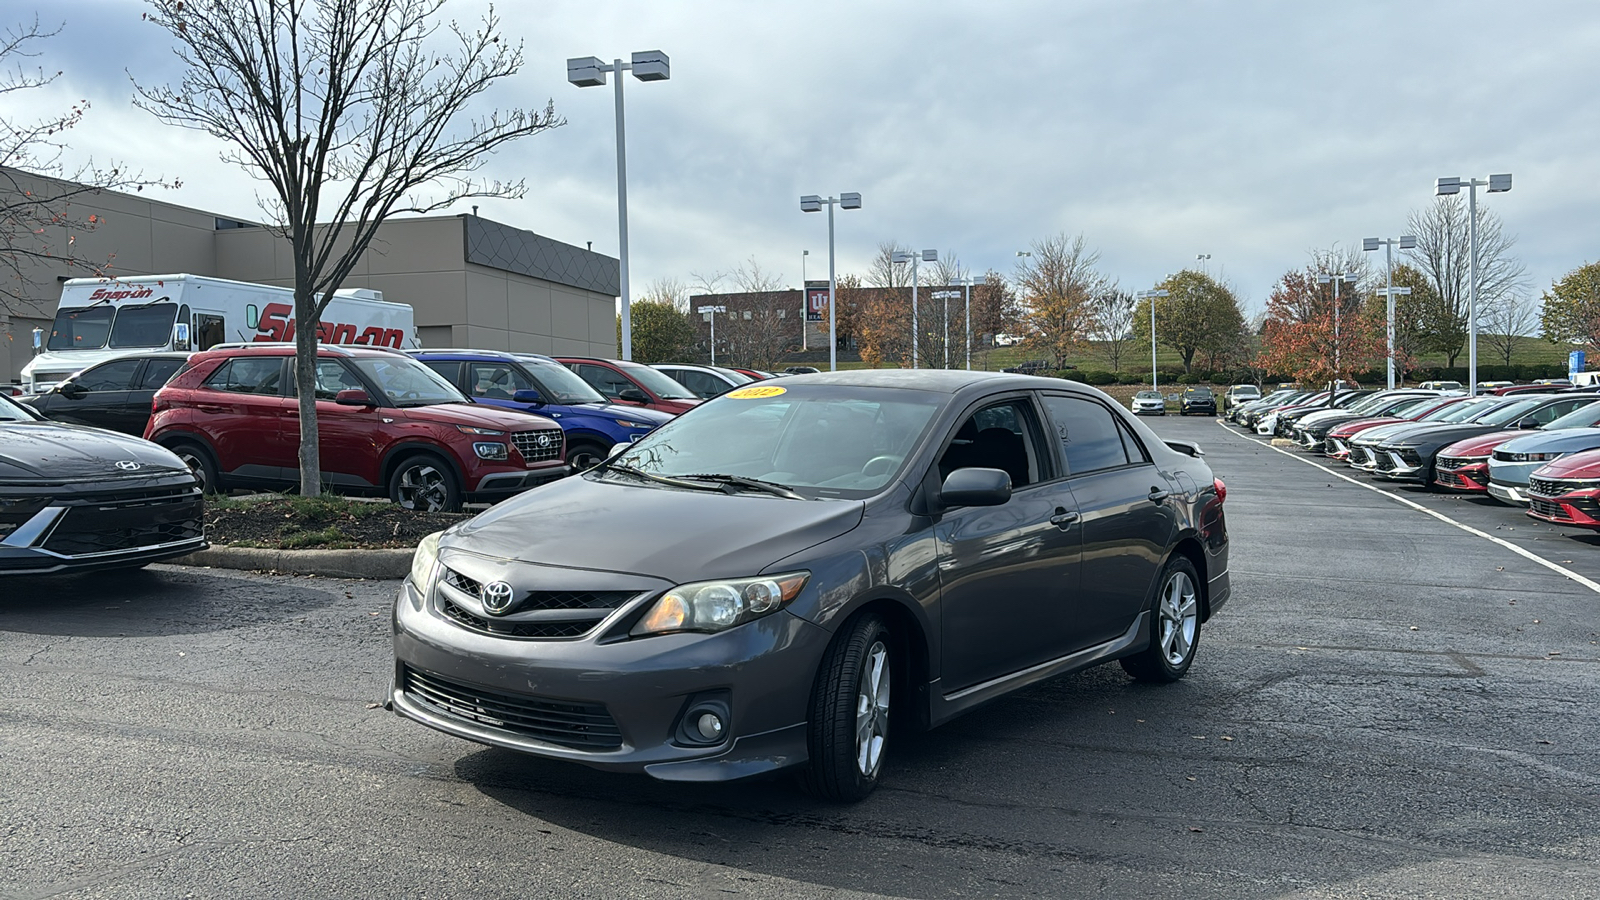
[{"x": 1222, "y": 489}]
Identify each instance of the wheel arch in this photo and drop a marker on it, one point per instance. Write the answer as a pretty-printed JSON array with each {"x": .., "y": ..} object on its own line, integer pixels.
[
  {"x": 910, "y": 634},
  {"x": 1189, "y": 548},
  {"x": 399, "y": 453}
]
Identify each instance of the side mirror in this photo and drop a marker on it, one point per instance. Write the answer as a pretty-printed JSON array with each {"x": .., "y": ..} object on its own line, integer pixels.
[
  {"x": 353, "y": 397},
  {"x": 976, "y": 487},
  {"x": 528, "y": 395},
  {"x": 632, "y": 395},
  {"x": 72, "y": 390},
  {"x": 617, "y": 448},
  {"x": 1528, "y": 422}
]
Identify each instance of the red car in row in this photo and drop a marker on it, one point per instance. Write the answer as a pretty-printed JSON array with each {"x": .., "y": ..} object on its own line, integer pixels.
[
  {"x": 1567, "y": 491},
  {"x": 388, "y": 425}
]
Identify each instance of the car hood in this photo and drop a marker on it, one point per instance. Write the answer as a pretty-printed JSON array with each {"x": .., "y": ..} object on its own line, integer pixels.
[
  {"x": 1439, "y": 435},
  {"x": 1578, "y": 465},
  {"x": 52, "y": 450},
  {"x": 479, "y": 415},
  {"x": 1482, "y": 444},
  {"x": 662, "y": 532},
  {"x": 1346, "y": 429},
  {"x": 1562, "y": 440},
  {"x": 649, "y": 416}
]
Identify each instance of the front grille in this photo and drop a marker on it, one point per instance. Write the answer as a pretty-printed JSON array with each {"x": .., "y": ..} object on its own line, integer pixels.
[
  {"x": 1546, "y": 508},
  {"x": 1546, "y": 486},
  {"x": 1451, "y": 479},
  {"x": 538, "y": 446},
  {"x": 580, "y": 726},
  {"x": 1385, "y": 461},
  {"x": 1456, "y": 462},
  {"x": 559, "y": 614},
  {"x": 108, "y": 523}
]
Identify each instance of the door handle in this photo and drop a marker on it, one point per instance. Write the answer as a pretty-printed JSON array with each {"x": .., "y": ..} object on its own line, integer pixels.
[
  {"x": 1063, "y": 518},
  {"x": 1159, "y": 494}
]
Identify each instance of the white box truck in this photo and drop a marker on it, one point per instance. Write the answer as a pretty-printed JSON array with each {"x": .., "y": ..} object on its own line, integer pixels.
[{"x": 103, "y": 318}]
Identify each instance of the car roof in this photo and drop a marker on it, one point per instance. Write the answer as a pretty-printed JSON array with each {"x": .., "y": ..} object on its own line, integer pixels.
[
  {"x": 287, "y": 349},
  {"x": 944, "y": 381}
]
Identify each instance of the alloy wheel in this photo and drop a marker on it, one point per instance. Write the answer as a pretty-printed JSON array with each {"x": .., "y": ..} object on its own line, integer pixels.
[
  {"x": 191, "y": 458},
  {"x": 872, "y": 710},
  {"x": 423, "y": 487},
  {"x": 1179, "y": 617}
]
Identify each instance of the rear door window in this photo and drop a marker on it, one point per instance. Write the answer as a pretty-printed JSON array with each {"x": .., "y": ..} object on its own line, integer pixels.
[
  {"x": 1090, "y": 438},
  {"x": 249, "y": 375},
  {"x": 158, "y": 372}
]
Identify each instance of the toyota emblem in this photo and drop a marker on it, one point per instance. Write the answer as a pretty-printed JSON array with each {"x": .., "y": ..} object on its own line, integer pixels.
[
  {"x": 496, "y": 597},
  {"x": 127, "y": 465}
]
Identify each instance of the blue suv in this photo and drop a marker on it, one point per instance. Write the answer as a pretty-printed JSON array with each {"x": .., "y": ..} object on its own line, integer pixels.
[{"x": 528, "y": 382}]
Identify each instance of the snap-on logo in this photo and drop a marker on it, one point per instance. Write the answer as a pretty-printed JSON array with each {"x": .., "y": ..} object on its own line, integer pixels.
[
  {"x": 278, "y": 325},
  {"x": 121, "y": 293}
]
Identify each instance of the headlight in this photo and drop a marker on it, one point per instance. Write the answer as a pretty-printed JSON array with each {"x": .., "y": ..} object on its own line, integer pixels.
[
  {"x": 424, "y": 562},
  {"x": 718, "y": 605},
  {"x": 1533, "y": 457},
  {"x": 486, "y": 432},
  {"x": 491, "y": 450},
  {"x": 629, "y": 423}
]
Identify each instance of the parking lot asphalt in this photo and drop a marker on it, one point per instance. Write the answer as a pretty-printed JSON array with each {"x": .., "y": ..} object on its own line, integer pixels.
[{"x": 1390, "y": 706}]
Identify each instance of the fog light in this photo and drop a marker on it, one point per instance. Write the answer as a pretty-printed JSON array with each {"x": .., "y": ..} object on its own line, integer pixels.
[{"x": 709, "y": 725}]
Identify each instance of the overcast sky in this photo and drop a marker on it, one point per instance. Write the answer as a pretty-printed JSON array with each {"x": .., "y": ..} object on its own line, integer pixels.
[{"x": 1252, "y": 131}]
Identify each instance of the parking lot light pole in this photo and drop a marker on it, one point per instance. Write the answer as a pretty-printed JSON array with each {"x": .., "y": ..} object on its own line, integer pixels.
[
  {"x": 1151, "y": 296},
  {"x": 1337, "y": 278},
  {"x": 1497, "y": 184},
  {"x": 589, "y": 71},
  {"x": 969, "y": 281},
  {"x": 814, "y": 203},
  {"x": 805, "y": 305},
  {"x": 902, "y": 256},
  {"x": 1406, "y": 242},
  {"x": 710, "y": 312}
]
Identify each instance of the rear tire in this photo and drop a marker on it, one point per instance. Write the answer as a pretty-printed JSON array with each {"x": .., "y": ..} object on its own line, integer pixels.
[
  {"x": 424, "y": 483},
  {"x": 1174, "y": 626},
  {"x": 848, "y": 730},
  {"x": 201, "y": 463}
]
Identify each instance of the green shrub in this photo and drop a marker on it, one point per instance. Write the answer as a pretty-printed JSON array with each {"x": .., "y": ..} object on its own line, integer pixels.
[
  {"x": 1132, "y": 378},
  {"x": 1188, "y": 379},
  {"x": 1098, "y": 377}
]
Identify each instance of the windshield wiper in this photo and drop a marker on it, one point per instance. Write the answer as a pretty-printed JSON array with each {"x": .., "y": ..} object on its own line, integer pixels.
[
  {"x": 651, "y": 476},
  {"x": 771, "y": 487}
]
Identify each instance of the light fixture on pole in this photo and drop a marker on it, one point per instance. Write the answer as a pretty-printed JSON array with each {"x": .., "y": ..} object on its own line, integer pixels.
[
  {"x": 1497, "y": 184},
  {"x": 804, "y": 308},
  {"x": 902, "y": 256},
  {"x": 814, "y": 203},
  {"x": 1204, "y": 258},
  {"x": 1151, "y": 296},
  {"x": 1405, "y": 242},
  {"x": 710, "y": 312},
  {"x": 1337, "y": 278},
  {"x": 589, "y": 71}
]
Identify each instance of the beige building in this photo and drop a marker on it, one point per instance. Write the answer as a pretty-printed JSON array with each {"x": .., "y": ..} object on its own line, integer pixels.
[{"x": 471, "y": 282}]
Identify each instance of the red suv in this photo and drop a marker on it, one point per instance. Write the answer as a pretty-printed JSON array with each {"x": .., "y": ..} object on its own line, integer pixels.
[
  {"x": 630, "y": 382},
  {"x": 387, "y": 423}
]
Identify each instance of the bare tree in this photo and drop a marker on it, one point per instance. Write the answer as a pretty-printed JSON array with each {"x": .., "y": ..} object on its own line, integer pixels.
[
  {"x": 39, "y": 224},
  {"x": 350, "y": 113},
  {"x": 1505, "y": 323},
  {"x": 761, "y": 321},
  {"x": 667, "y": 290},
  {"x": 1444, "y": 255},
  {"x": 1057, "y": 283},
  {"x": 1113, "y": 323},
  {"x": 884, "y": 271}
]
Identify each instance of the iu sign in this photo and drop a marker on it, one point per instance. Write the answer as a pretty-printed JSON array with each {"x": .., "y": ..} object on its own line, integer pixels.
[{"x": 816, "y": 300}]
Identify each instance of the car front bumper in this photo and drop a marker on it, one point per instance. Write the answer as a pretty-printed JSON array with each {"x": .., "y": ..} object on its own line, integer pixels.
[
  {"x": 633, "y": 692},
  {"x": 500, "y": 485},
  {"x": 1514, "y": 494},
  {"x": 100, "y": 525}
]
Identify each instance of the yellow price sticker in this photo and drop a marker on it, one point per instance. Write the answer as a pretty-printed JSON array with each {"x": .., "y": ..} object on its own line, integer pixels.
[{"x": 756, "y": 393}]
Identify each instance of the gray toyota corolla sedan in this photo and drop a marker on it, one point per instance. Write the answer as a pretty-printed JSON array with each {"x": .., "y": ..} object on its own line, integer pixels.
[{"x": 793, "y": 572}]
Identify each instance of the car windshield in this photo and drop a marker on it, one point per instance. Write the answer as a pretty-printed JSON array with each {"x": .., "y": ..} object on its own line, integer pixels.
[
  {"x": 407, "y": 382},
  {"x": 824, "y": 441},
  {"x": 1368, "y": 404},
  {"x": 1198, "y": 392},
  {"x": 81, "y": 328},
  {"x": 144, "y": 326},
  {"x": 1510, "y": 412},
  {"x": 734, "y": 376},
  {"x": 11, "y": 411},
  {"x": 1148, "y": 395},
  {"x": 1461, "y": 411},
  {"x": 1413, "y": 405},
  {"x": 658, "y": 382},
  {"x": 564, "y": 384},
  {"x": 1582, "y": 417}
]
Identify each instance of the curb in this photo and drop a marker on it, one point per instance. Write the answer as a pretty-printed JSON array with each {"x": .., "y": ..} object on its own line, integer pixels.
[{"x": 388, "y": 563}]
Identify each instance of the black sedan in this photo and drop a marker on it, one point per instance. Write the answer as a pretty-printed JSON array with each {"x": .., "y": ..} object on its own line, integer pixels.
[
  {"x": 75, "y": 498},
  {"x": 115, "y": 394},
  {"x": 1410, "y": 454},
  {"x": 791, "y": 574}
]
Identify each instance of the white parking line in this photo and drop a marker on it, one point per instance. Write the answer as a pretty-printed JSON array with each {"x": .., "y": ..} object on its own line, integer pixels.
[{"x": 1591, "y": 585}]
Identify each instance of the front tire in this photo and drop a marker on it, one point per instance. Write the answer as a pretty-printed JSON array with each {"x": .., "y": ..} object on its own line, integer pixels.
[
  {"x": 585, "y": 455},
  {"x": 199, "y": 461},
  {"x": 424, "y": 483},
  {"x": 1174, "y": 629},
  {"x": 848, "y": 731}
]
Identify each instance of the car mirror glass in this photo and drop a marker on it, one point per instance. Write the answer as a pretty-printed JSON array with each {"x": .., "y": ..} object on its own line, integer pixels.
[
  {"x": 976, "y": 487},
  {"x": 527, "y": 395},
  {"x": 632, "y": 395},
  {"x": 72, "y": 390}
]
